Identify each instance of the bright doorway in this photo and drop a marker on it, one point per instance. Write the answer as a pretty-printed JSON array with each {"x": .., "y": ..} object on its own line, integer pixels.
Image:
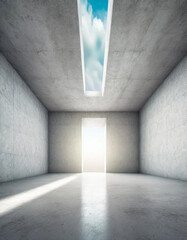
[{"x": 94, "y": 145}]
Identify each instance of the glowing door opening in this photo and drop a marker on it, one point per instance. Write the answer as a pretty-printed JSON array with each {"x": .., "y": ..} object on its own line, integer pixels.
[{"x": 94, "y": 145}]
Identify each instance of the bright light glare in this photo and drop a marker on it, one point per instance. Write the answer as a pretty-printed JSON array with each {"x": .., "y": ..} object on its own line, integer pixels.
[
  {"x": 10, "y": 203},
  {"x": 93, "y": 144},
  {"x": 93, "y": 141}
]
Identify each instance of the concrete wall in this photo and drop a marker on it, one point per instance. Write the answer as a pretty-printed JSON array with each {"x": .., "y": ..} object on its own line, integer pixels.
[
  {"x": 163, "y": 128},
  {"x": 65, "y": 141},
  {"x": 23, "y": 128}
]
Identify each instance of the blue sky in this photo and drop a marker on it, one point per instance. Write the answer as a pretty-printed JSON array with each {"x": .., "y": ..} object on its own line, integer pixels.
[
  {"x": 99, "y": 8},
  {"x": 94, "y": 16}
]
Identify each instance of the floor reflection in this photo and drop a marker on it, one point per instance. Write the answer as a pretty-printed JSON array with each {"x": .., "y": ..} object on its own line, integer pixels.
[{"x": 94, "y": 206}]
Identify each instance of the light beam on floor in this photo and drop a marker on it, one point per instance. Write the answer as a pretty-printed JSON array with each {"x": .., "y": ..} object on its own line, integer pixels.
[{"x": 9, "y": 204}]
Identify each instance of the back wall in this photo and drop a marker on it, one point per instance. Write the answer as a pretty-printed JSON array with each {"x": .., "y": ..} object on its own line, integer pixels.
[{"x": 122, "y": 141}]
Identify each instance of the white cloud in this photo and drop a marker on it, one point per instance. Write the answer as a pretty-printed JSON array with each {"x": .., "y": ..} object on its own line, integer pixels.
[{"x": 93, "y": 32}]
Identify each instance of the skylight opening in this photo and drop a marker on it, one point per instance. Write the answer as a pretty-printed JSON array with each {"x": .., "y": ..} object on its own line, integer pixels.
[{"x": 94, "y": 24}]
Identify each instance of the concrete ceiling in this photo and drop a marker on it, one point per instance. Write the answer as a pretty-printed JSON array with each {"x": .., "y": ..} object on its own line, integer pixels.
[{"x": 40, "y": 38}]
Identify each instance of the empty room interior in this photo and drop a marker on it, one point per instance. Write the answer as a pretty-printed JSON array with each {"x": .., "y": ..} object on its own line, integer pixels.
[{"x": 93, "y": 120}]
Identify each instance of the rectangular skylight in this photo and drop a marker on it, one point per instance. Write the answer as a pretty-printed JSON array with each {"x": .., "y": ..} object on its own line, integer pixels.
[{"x": 94, "y": 24}]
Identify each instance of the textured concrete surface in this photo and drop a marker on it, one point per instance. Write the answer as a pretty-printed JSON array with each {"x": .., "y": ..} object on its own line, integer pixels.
[
  {"x": 163, "y": 128},
  {"x": 94, "y": 206},
  {"x": 64, "y": 142},
  {"x": 23, "y": 127},
  {"x": 122, "y": 143},
  {"x": 41, "y": 40}
]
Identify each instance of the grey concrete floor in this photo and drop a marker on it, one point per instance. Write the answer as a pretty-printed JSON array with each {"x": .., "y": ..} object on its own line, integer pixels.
[{"x": 93, "y": 206}]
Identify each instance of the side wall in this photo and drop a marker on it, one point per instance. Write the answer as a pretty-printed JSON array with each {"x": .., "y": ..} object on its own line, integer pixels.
[
  {"x": 23, "y": 128},
  {"x": 65, "y": 141},
  {"x": 163, "y": 128}
]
